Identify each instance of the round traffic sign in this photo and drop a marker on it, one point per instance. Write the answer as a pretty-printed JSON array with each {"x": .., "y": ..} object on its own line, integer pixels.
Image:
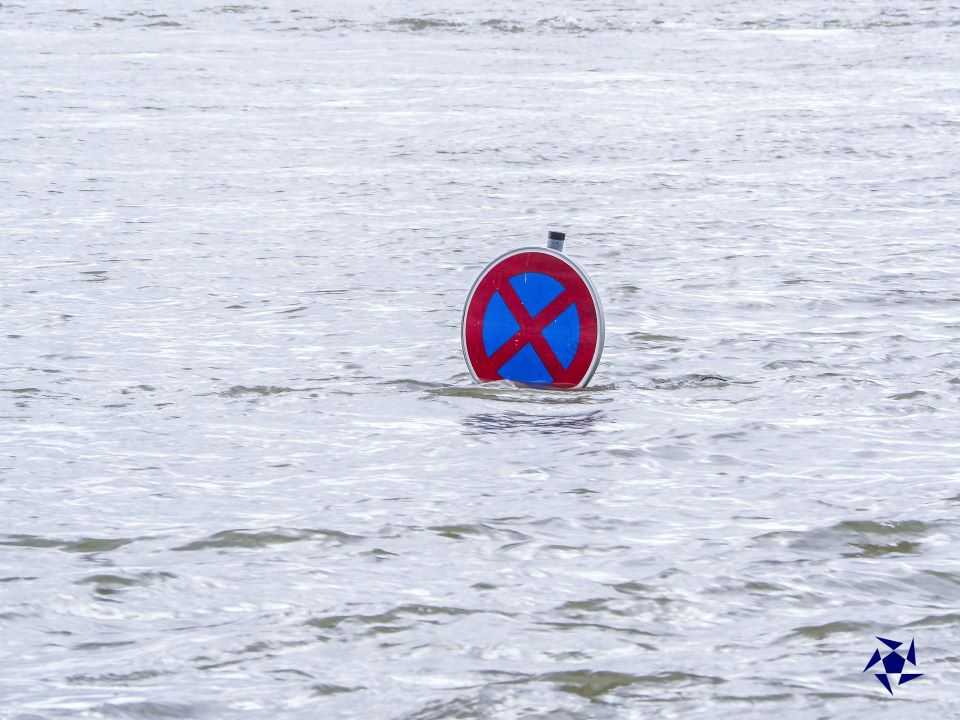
[{"x": 533, "y": 317}]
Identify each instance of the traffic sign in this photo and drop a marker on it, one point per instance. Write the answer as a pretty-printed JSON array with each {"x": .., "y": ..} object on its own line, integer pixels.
[{"x": 533, "y": 317}]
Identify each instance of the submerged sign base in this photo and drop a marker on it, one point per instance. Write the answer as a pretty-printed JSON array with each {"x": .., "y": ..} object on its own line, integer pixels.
[{"x": 533, "y": 317}]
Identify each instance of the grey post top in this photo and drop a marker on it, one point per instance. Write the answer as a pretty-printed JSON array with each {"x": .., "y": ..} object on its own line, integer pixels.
[{"x": 555, "y": 240}]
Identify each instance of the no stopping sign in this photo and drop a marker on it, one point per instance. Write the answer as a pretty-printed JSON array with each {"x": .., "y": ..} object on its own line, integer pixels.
[{"x": 532, "y": 316}]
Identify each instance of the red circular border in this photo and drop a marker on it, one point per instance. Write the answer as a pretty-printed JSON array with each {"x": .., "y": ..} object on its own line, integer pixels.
[{"x": 575, "y": 283}]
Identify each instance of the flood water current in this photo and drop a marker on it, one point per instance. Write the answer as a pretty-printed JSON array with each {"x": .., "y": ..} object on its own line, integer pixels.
[{"x": 244, "y": 472}]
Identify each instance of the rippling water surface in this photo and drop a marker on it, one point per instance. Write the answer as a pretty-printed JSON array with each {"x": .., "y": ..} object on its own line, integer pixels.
[{"x": 244, "y": 472}]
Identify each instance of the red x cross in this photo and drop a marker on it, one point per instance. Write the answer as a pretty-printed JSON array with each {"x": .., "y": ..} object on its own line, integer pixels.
[
  {"x": 496, "y": 279},
  {"x": 531, "y": 330}
]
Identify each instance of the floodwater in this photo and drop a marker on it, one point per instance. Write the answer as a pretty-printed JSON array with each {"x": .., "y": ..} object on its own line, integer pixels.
[{"x": 244, "y": 472}]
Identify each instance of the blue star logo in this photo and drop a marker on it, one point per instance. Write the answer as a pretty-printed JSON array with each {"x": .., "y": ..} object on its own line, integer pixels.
[{"x": 893, "y": 664}]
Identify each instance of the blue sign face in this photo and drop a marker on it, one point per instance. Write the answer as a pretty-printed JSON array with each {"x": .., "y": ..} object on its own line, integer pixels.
[
  {"x": 532, "y": 317},
  {"x": 562, "y": 335}
]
